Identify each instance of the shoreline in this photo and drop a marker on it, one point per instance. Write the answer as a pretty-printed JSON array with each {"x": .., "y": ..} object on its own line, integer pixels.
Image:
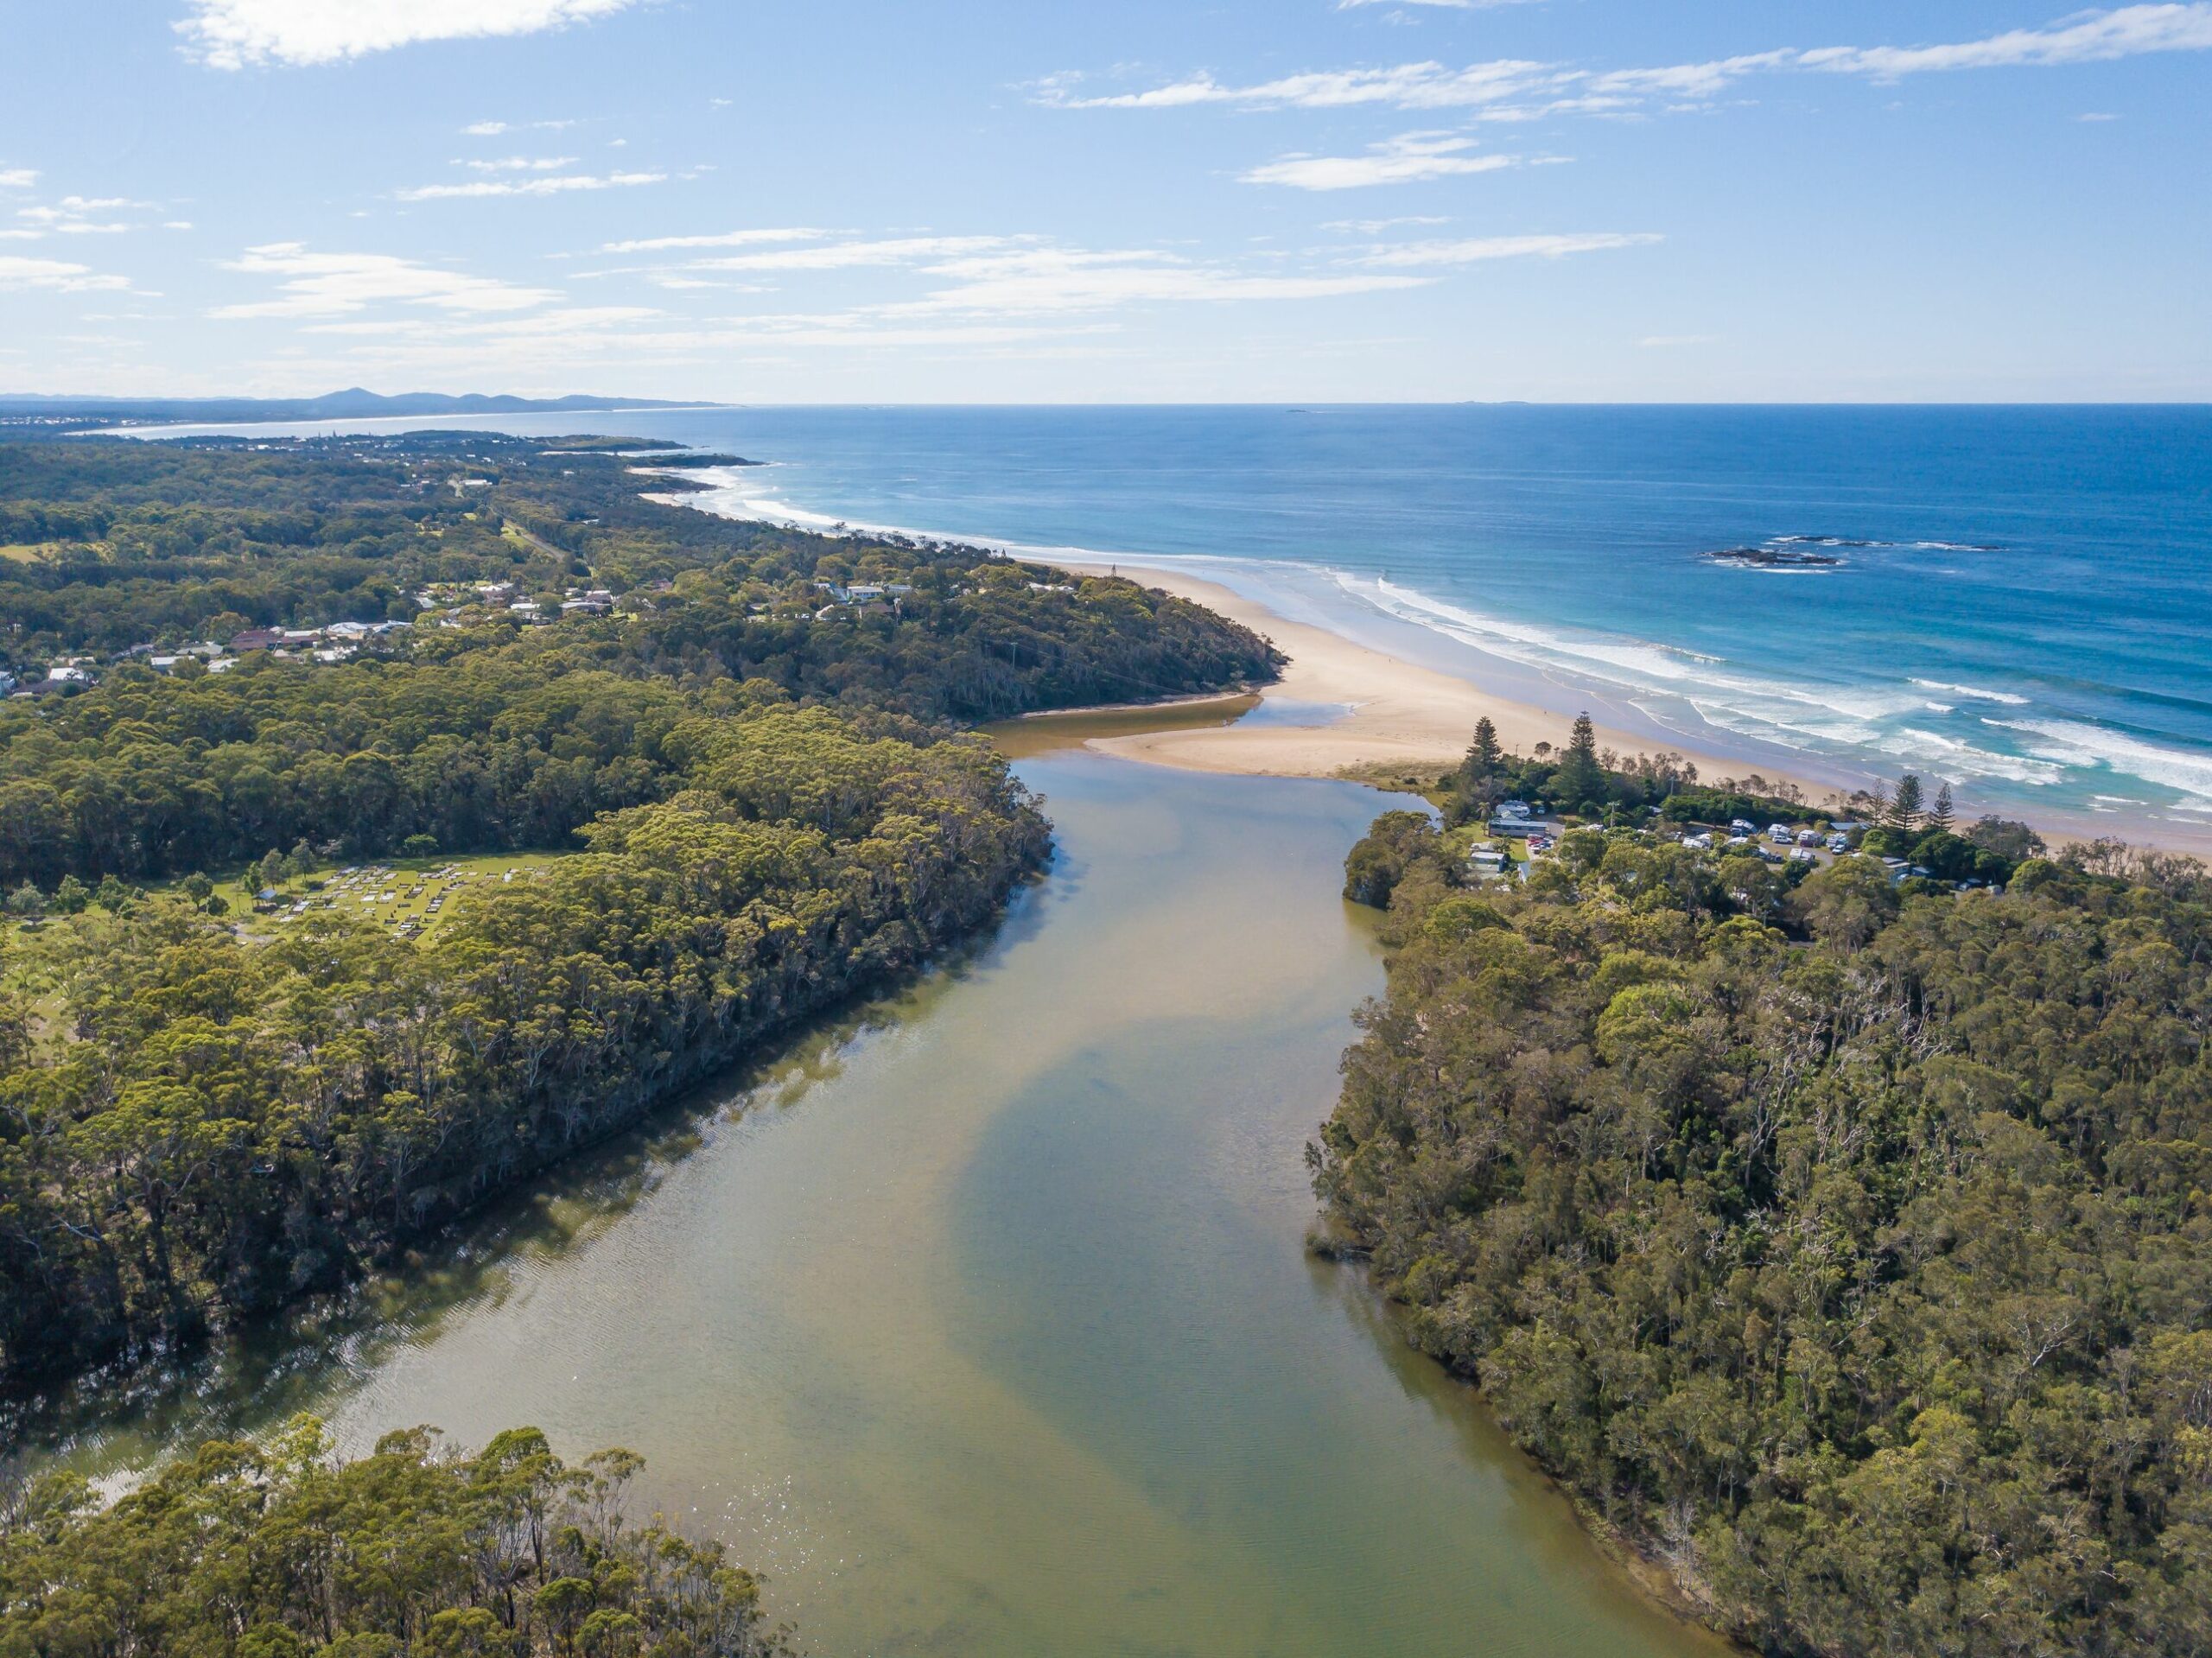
[
  {"x": 1379, "y": 713},
  {"x": 1345, "y": 707},
  {"x": 1367, "y": 711}
]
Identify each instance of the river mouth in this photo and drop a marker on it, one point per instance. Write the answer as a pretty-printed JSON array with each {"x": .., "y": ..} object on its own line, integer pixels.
[{"x": 981, "y": 1323}]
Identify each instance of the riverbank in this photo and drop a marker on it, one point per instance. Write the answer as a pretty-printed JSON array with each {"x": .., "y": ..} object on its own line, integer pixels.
[
  {"x": 1344, "y": 709},
  {"x": 981, "y": 1323}
]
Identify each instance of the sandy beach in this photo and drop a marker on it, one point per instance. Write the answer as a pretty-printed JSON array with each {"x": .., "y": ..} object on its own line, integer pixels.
[{"x": 1342, "y": 707}]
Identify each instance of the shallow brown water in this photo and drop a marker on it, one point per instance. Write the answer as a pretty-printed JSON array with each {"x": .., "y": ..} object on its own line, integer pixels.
[
  {"x": 982, "y": 1326},
  {"x": 1039, "y": 734}
]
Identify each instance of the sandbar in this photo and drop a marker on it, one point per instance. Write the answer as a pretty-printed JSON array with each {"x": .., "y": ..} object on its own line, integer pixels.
[{"x": 1347, "y": 709}]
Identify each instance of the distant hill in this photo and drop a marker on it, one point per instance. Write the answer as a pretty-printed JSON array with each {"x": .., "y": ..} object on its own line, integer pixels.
[{"x": 352, "y": 404}]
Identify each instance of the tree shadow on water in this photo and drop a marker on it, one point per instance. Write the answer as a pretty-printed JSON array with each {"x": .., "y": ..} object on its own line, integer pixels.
[{"x": 310, "y": 1356}]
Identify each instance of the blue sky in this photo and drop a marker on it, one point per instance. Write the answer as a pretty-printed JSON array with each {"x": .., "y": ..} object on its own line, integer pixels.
[{"x": 918, "y": 201}]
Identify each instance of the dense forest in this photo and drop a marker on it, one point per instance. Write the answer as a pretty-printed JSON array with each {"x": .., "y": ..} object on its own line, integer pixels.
[
  {"x": 760, "y": 791},
  {"x": 1842, "y": 1245},
  {"x": 505, "y": 747},
  {"x": 278, "y": 1549},
  {"x": 197, "y": 1124},
  {"x": 474, "y": 729},
  {"x": 108, "y": 544}
]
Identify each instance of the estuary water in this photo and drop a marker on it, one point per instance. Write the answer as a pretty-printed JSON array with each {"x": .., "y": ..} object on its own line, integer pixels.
[
  {"x": 2016, "y": 600},
  {"x": 981, "y": 1325}
]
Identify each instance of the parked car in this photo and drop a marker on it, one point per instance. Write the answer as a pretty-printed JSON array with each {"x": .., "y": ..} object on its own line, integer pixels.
[{"x": 1781, "y": 834}]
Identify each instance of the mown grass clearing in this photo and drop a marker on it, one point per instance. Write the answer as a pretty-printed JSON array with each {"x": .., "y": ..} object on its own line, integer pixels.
[{"x": 411, "y": 896}]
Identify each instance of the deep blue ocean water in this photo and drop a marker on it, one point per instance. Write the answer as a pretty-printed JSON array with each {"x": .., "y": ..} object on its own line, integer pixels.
[{"x": 2020, "y": 601}]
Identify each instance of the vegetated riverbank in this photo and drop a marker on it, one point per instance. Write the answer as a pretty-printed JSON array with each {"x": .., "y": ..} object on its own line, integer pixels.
[
  {"x": 1840, "y": 1247},
  {"x": 981, "y": 1321},
  {"x": 222, "y": 1125},
  {"x": 415, "y": 1547},
  {"x": 209, "y": 1122}
]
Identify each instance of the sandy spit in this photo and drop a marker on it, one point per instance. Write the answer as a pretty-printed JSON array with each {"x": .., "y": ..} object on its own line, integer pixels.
[{"x": 1355, "y": 710}]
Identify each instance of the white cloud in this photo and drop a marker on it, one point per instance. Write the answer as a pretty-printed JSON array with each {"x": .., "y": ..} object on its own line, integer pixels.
[
  {"x": 338, "y": 285},
  {"x": 1044, "y": 280},
  {"x": 844, "y": 256},
  {"x": 54, "y": 276},
  {"x": 1009, "y": 275},
  {"x": 2089, "y": 37},
  {"x": 484, "y": 128},
  {"x": 1376, "y": 226},
  {"x": 546, "y": 186},
  {"x": 520, "y": 164},
  {"x": 1405, "y": 159},
  {"x": 1680, "y": 80},
  {"x": 74, "y": 216},
  {"x": 1480, "y": 248},
  {"x": 232, "y": 34},
  {"x": 680, "y": 284},
  {"x": 17, "y": 178},
  {"x": 564, "y": 318},
  {"x": 725, "y": 240},
  {"x": 1408, "y": 86},
  {"x": 551, "y": 347},
  {"x": 1516, "y": 89},
  {"x": 76, "y": 206},
  {"x": 954, "y": 294}
]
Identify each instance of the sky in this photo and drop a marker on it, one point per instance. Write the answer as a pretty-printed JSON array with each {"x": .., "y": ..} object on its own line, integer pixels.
[{"x": 1140, "y": 201}]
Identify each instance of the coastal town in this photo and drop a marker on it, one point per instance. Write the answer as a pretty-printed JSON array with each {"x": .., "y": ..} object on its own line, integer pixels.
[
  {"x": 1518, "y": 835},
  {"x": 449, "y": 605},
  {"x": 330, "y": 644}
]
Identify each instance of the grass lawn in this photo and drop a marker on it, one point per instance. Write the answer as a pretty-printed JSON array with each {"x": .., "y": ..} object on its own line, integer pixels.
[
  {"x": 410, "y": 894},
  {"x": 399, "y": 894}
]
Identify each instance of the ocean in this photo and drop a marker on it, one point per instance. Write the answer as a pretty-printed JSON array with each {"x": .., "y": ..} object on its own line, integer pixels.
[{"x": 2015, "y": 600}]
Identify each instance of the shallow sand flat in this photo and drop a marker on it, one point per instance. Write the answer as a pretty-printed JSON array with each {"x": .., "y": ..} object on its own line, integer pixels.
[{"x": 1399, "y": 712}]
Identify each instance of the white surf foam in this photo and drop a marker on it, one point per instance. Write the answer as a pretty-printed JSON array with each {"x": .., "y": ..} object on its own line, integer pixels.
[
  {"x": 2073, "y": 742},
  {"x": 1974, "y": 691},
  {"x": 1841, "y": 721}
]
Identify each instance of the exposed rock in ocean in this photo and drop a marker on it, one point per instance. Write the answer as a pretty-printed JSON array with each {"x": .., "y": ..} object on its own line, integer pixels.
[
  {"x": 1770, "y": 557},
  {"x": 1818, "y": 552}
]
